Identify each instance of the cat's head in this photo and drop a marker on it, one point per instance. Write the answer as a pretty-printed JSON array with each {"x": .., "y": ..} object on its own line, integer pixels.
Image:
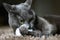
[{"x": 23, "y": 9}]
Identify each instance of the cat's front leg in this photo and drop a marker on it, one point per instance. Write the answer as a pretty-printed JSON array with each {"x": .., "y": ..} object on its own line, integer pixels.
[{"x": 18, "y": 32}]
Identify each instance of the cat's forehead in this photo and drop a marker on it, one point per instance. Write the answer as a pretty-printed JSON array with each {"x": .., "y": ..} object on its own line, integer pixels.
[
  {"x": 19, "y": 6},
  {"x": 22, "y": 6}
]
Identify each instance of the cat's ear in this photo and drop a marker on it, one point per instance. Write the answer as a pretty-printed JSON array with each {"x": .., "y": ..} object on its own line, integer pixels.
[
  {"x": 7, "y": 6},
  {"x": 28, "y": 3}
]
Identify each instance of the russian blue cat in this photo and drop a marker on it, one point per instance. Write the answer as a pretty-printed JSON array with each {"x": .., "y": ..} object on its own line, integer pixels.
[{"x": 23, "y": 20}]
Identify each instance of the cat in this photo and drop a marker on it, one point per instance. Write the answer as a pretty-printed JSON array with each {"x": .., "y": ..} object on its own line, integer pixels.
[{"x": 22, "y": 19}]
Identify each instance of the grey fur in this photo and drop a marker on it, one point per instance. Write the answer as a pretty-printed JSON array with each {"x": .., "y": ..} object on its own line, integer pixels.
[{"x": 23, "y": 12}]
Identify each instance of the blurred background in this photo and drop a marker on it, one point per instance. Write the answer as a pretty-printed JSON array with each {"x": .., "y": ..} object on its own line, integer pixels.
[{"x": 49, "y": 9}]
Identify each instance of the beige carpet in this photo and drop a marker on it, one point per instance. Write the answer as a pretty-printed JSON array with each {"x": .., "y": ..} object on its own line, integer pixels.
[{"x": 6, "y": 33}]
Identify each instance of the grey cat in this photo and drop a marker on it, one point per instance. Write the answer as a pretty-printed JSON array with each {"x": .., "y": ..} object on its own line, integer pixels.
[{"x": 21, "y": 16}]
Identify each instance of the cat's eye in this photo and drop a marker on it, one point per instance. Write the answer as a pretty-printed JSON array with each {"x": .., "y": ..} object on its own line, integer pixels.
[{"x": 21, "y": 21}]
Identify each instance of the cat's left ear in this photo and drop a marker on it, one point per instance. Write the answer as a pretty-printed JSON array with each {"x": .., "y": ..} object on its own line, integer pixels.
[
  {"x": 7, "y": 6},
  {"x": 28, "y": 3}
]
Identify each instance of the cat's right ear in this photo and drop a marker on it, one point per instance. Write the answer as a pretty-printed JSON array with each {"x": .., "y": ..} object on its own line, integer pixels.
[{"x": 7, "y": 6}]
